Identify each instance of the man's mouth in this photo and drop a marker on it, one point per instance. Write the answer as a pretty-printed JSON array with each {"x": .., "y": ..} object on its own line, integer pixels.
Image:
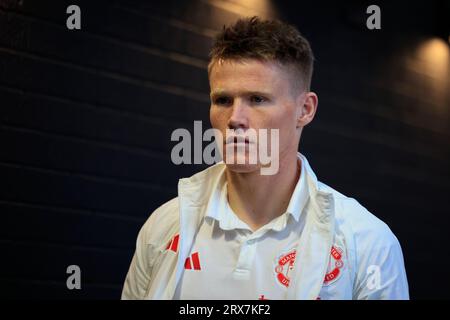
[{"x": 237, "y": 140}]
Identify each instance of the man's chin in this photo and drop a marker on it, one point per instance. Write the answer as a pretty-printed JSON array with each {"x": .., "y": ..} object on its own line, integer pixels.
[{"x": 243, "y": 168}]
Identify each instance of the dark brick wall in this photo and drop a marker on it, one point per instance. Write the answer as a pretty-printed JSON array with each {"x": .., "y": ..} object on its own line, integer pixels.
[{"x": 86, "y": 118}]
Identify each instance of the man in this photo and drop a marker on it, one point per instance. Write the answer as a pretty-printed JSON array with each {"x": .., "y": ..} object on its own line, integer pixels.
[{"x": 234, "y": 233}]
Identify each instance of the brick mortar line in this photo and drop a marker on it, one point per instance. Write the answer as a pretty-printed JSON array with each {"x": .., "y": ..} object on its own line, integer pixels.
[
  {"x": 86, "y": 176},
  {"x": 75, "y": 211},
  {"x": 140, "y": 82}
]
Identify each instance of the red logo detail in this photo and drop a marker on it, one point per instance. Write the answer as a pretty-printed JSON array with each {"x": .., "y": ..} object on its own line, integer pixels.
[
  {"x": 285, "y": 263},
  {"x": 173, "y": 243},
  {"x": 334, "y": 266},
  {"x": 262, "y": 297},
  {"x": 192, "y": 262}
]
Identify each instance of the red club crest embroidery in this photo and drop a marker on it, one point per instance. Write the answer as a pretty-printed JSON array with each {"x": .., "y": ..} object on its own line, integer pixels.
[
  {"x": 285, "y": 263},
  {"x": 334, "y": 266}
]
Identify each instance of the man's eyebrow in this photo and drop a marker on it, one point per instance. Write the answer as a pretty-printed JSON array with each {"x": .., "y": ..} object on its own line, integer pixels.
[
  {"x": 241, "y": 93},
  {"x": 217, "y": 93}
]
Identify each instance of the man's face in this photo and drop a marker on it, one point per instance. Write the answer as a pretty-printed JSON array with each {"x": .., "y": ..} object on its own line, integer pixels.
[{"x": 253, "y": 94}]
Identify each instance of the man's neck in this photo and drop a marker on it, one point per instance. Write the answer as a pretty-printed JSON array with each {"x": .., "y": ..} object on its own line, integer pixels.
[{"x": 257, "y": 199}]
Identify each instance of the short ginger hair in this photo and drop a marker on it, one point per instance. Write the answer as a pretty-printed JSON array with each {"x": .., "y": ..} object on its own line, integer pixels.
[{"x": 265, "y": 40}]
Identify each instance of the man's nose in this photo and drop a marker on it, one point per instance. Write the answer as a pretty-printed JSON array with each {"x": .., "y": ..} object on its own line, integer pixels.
[{"x": 239, "y": 117}]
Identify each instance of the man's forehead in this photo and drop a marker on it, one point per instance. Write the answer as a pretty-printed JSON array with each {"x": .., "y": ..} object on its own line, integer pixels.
[
  {"x": 242, "y": 87},
  {"x": 250, "y": 75}
]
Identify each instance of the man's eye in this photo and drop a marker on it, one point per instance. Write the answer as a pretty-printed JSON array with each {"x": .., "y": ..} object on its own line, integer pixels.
[
  {"x": 222, "y": 101},
  {"x": 257, "y": 99}
]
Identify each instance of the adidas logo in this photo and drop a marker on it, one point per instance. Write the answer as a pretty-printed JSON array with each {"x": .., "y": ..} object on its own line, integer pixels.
[
  {"x": 173, "y": 243},
  {"x": 192, "y": 262}
]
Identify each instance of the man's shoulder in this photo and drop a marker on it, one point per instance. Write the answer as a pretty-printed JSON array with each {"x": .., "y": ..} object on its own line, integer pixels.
[
  {"x": 162, "y": 223},
  {"x": 372, "y": 250},
  {"x": 352, "y": 217}
]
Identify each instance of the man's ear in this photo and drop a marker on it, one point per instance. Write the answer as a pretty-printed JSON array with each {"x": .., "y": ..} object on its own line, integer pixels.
[{"x": 307, "y": 104}]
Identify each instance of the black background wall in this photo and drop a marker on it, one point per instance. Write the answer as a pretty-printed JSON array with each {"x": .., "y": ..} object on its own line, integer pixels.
[{"x": 86, "y": 118}]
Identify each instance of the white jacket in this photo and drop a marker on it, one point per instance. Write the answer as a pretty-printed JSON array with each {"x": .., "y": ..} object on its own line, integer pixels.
[{"x": 372, "y": 256}]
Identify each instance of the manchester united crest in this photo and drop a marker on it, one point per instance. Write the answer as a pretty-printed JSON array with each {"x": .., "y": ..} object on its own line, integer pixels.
[
  {"x": 334, "y": 266},
  {"x": 284, "y": 264}
]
